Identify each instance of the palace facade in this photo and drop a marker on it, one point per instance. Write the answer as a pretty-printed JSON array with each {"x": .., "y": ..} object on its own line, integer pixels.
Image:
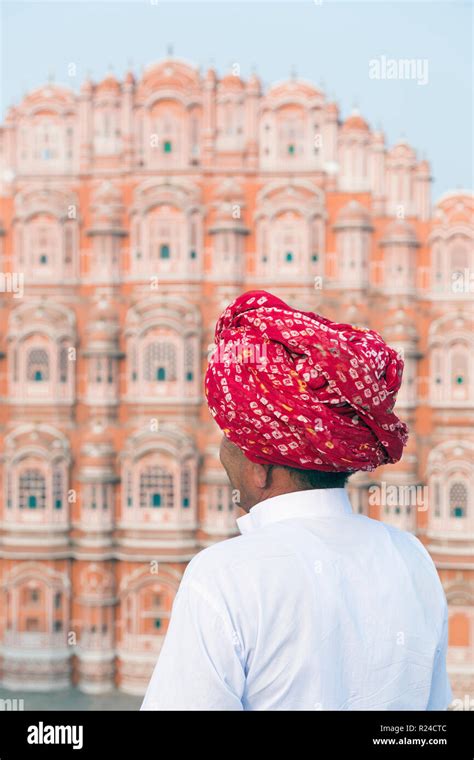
[{"x": 131, "y": 213}]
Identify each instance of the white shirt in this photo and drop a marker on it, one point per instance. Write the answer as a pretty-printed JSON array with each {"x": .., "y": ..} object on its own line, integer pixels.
[{"x": 313, "y": 607}]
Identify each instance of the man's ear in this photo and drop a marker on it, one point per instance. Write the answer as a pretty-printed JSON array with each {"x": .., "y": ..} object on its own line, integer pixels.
[{"x": 262, "y": 474}]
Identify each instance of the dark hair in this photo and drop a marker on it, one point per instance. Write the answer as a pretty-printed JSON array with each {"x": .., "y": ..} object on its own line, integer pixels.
[{"x": 318, "y": 479}]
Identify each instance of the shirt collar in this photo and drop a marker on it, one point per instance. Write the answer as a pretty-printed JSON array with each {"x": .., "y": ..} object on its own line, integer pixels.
[{"x": 315, "y": 503}]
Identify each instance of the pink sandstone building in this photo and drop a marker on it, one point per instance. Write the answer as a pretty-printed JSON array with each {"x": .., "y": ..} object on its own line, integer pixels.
[{"x": 130, "y": 214}]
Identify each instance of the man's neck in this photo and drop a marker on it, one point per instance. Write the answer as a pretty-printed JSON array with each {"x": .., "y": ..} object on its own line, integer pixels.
[{"x": 271, "y": 492}]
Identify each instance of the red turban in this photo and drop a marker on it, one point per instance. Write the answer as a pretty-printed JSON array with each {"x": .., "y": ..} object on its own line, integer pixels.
[{"x": 292, "y": 388}]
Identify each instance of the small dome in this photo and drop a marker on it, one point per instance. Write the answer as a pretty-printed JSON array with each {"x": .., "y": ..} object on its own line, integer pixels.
[
  {"x": 231, "y": 82},
  {"x": 455, "y": 207},
  {"x": 355, "y": 122},
  {"x": 400, "y": 231},
  {"x": 109, "y": 84},
  {"x": 354, "y": 214},
  {"x": 292, "y": 87},
  {"x": 402, "y": 150}
]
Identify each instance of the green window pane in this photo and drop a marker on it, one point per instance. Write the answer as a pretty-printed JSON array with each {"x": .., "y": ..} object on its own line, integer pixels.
[
  {"x": 32, "y": 502},
  {"x": 167, "y": 146},
  {"x": 161, "y": 373},
  {"x": 164, "y": 252},
  {"x": 185, "y": 502},
  {"x": 58, "y": 504},
  {"x": 157, "y": 623},
  {"x": 289, "y": 256},
  {"x": 156, "y": 500},
  {"x": 291, "y": 149}
]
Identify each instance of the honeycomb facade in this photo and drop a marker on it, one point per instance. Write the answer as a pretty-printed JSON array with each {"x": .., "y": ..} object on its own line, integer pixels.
[{"x": 131, "y": 213}]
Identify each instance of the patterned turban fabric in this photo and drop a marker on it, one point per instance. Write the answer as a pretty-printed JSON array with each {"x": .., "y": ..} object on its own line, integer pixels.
[{"x": 292, "y": 388}]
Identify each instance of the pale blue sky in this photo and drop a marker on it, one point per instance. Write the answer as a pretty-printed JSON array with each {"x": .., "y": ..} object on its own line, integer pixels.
[{"x": 330, "y": 43}]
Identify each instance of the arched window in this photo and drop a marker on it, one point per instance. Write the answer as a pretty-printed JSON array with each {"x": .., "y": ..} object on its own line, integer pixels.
[
  {"x": 167, "y": 234},
  {"x": 459, "y": 372},
  {"x": 451, "y": 369},
  {"x": 291, "y": 137},
  {"x": 106, "y": 131},
  {"x": 31, "y": 596},
  {"x": 156, "y": 487},
  {"x": 167, "y": 130},
  {"x": 133, "y": 363},
  {"x": 437, "y": 499},
  {"x": 68, "y": 246},
  {"x": 288, "y": 242},
  {"x": 15, "y": 364},
  {"x": 63, "y": 364},
  {"x": 189, "y": 362},
  {"x": 263, "y": 247},
  {"x": 160, "y": 362},
  {"x": 129, "y": 488},
  {"x": 458, "y": 500},
  {"x": 32, "y": 490},
  {"x": 194, "y": 133},
  {"x": 9, "y": 491},
  {"x": 46, "y": 240},
  {"x": 186, "y": 487},
  {"x": 96, "y": 496},
  {"x": 193, "y": 236},
  {"x": 459, "y": 258},
  {"x": 438, "y": 265},
  {"x": 452, "y": 260},
  {"x": 46, "y": 143},
  {"x": 37, "y": 365},
  {"x": 159, "y": 238},
  {"x": 57, "y": 489}
]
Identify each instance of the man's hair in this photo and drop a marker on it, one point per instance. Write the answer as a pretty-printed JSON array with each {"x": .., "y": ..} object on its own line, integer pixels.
[{"x": 316, "y": 479}]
